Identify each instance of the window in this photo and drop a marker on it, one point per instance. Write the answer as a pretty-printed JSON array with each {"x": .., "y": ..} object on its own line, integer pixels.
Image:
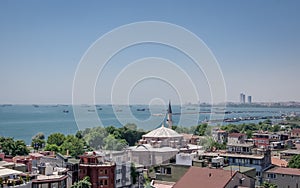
[
  {"x": 257, "y": 173},
  {"x": 168, "y": 170},
  {"x": 272, "y": 176},
  {"x": 105, "y": 171}
]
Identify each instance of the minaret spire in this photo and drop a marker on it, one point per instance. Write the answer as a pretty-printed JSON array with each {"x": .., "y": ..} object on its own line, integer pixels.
[{"x": 169, "y": 117}]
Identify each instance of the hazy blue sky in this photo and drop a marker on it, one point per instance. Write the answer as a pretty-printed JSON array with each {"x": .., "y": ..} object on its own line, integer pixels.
[{"x": 256, "y": 43}]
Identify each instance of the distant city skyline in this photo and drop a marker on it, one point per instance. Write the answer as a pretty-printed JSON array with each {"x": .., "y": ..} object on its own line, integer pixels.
[{"x": 256, "y": 44}]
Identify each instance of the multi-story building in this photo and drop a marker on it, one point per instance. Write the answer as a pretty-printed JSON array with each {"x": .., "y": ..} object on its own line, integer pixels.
[
  {"x": 260, "y": 159},
  {"x": 249, "y": 99},
  {"x": 261, "y": 139},
  {"x": 295, "y": 133},
  {"x": 123, "y": 167},
  {"x": 191, "y": 138},
  {"x": 219, "y": 135},
  {"x": 236, "y": 138},
  {"x": 243, "y": 148},
  {"x": 100, "y": 171},
  {"x": 242, "y": 98},
  {"x": 50, "y": 177},
  {"x": 283, "y": 177},
  {"x": 288, "y": 154}
]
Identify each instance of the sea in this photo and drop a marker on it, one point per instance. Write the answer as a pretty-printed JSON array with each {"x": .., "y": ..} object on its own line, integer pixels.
[{"x": 25, "y": 121}]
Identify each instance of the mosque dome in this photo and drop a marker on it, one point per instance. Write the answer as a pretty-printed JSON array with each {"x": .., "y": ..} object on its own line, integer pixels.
[{"x": 162, "y": 132}]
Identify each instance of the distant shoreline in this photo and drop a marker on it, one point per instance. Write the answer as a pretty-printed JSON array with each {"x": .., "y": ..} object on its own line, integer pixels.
[{"x": 291, "y": 104}]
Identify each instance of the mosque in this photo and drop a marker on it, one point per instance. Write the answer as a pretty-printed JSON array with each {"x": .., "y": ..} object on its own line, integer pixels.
[{"x": 157, "y": 146}]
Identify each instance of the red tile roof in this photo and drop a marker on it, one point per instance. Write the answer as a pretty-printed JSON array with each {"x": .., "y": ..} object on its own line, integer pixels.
[
  {"x": 288, "y": 171},
  {"x": 294, "y": 131},
  {"x": 279, "y": 162},
  {"x": 206, "y": 177},
  {"x": 236, "y": 135}
]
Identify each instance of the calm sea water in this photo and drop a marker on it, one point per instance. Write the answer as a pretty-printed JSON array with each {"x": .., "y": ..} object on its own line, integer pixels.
[{"x": 24, "y": 121}]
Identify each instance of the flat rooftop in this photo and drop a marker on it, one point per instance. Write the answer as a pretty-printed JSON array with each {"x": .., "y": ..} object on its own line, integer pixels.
[
  {"x": 214, "y": 154},
  {"x": 291, "y": 151}
]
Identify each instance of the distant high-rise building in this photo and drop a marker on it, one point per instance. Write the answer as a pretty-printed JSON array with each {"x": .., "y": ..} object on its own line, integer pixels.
[
  {"x": 249, "y": 99},
  {"x": 242, "y": 98}
]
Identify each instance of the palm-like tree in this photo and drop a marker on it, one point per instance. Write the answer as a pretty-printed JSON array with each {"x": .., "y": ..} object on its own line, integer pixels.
[{"x": 84, "y": 183}]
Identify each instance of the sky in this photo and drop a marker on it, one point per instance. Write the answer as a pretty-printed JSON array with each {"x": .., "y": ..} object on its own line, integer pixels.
[{"x": 255, "y": 43}]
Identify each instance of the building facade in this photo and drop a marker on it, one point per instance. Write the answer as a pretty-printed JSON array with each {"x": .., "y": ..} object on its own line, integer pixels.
[
  {"x": 283, "y": 177},
  {"x": 236, "y": 138},
  {"x": 261, "y": 139},
  {"x": 220, "y": 136},
  {"x": 100, "y": 171}
]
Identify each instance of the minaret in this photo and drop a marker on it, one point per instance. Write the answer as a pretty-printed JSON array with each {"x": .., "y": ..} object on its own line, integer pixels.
[{"x": 169, "y": 117}]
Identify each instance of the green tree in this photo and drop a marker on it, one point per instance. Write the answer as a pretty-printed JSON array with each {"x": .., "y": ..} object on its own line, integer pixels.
[
  {"x": 51, "y": 147},
  {"x": 38, "y": 141},
  {"x": 268, "y": 185},
  {"x": 39, "y": 135},
  {"x": 129, "y": 133},
  {"x": 96, "y": 138},
  {"x": 84, "y": 183},
  {"x": 20, "y": 148},
  {"x": 74, "y": 145},
  {"x": 249, "y": 133},
  {"x": 79, "y": 134},
  {"x": 294, "y": 162},
  {"x": 56, "y": 138},
  {"x": 201, "y": 129},
  {"x": 275, "y": 128},
  {"x": 131, "y": 126},
  {"x": 11, "y": 147},
  {"x": 111, "y": 143},
  {"x": 110, "y": 129}
]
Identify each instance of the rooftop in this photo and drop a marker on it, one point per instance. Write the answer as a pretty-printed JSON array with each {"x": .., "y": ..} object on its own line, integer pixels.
[
  {"x": 161, "y": 184},
  {"x": 4, "y": 172},
  {"x": 52, "y": 178},
  {"x": 94, "y": 154},
  {"x": 236, "y": 135},
  {"x": 241, "y": 144},
  {"x": 162, "y": 132},
  {"x": 279, "y": 162},
  {"x": 241, "y": 169},
  {"x": 189, "y": 136},
  {"x": 288, "y": 171},
  {"x": 214, "y": 154},
  {"x": 206, "y": 177},
  {"x": 296, "y": 131},
  {"x": 291, "y": 151}
]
